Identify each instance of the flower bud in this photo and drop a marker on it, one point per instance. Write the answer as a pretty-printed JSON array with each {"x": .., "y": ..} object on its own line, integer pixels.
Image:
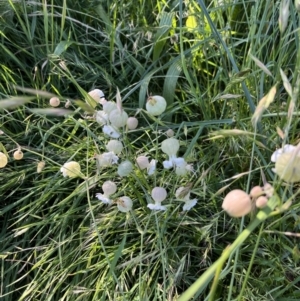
[
  {"x": 156, "y": 105},
  {"x": 54, "y": 102},
  {"x": 237, "y": 203},
  {"x": 132, "y": 123}
]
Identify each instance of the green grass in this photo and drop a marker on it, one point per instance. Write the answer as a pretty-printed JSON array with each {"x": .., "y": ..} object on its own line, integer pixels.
[{"x": 57, "y": 241}]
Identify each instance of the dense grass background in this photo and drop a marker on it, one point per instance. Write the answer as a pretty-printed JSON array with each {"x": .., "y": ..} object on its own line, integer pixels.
[{"x": 57, "y": 241}]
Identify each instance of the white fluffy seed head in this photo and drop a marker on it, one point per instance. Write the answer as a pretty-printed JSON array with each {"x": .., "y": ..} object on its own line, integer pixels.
[
  {"x": 237, "y": 203},
  {"x": 156, "y": 105},
  {"x": 109, "y": 188},
  {"x": 115, "y": 146},
  {"x": 54, "y": 102},
  {"x": 132, "y": 123},
  {"x": 158, "y": 194}
]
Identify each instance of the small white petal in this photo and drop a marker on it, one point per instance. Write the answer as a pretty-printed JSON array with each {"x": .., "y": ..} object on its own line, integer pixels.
[
  {"x": 179, "y": 162},
  {"x": 168, "y": 164},
  {"x": 151, "y": 167},
  {"x": 156, "y": 206},
  {"x": 110, "y": 131},
  {"x": 103, "y": 198},
  {"x": 189, "y": 204}
]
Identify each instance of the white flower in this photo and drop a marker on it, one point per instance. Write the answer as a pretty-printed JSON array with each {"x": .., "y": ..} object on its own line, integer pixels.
[
  {"x": 110, "y": 131},
  {"x": 288, "y": 148},
  {"x": 71, "y": 169},
  {"x": 124, "y": 204},
  {"x": 170, "y": 147},
  {"x": 101, "y": 117},
  {"x": 158, "y": 195},
  {"x": 189, "y": 204},
  {"x": 185, "y": 196},
  {"x": 174, "y": 162},
  {"x": 107, "y": 159},
  {"x": 151, "y": 167},
  {"x": 108, "y": 188}
]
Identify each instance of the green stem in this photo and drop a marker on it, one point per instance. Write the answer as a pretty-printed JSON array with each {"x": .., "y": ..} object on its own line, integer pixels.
[{"x": 199, "y": 285}]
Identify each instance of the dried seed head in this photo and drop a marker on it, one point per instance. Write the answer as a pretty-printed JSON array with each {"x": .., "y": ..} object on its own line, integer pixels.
[
  {"x": 40, "y": 166},
  {"x": 18, "y": 154}
]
